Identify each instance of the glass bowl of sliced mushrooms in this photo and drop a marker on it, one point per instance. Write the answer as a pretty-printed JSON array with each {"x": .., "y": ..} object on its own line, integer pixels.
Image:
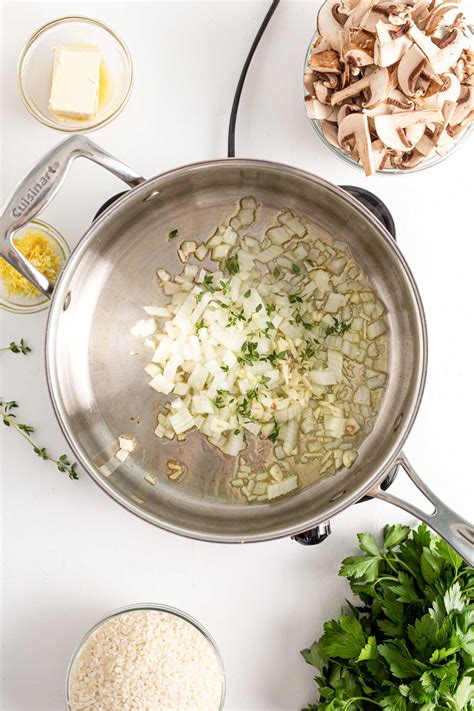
[{"x": 389, "y": 86}]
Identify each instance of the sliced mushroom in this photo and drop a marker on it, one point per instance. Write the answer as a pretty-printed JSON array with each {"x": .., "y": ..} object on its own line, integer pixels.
[
  {"x": 376, "y": 84},
  {"x": 390, "y": 128},
  {"x": 378, "y": 89},
  {"x": 381, "y": 155},
  {"x": 421, "y": 12},
  {"x": 322, "y": 92},
  {"x": 345, "y": 110},
  {"x": 388, "y": 48},
  {"x": 395, "y": 13},
  {"x": 414, "y": 133},
  {"x": 328, "y": 23},
  {"x": 326, "y": 62},
  {"x": 449, "y": 107},
  {"x": 315, "y": 109},
  {"x": 441, "y": 56},
  {"x": 350, "y": 91},
  {"x": 465, "y": 105},
  {"x": 358, "y": 13},
  {"x": 309, "y": 81},
  {"x": 411, "y": 160},
  {"x": 449, "y": 92},
  {"x": 425, "y": 145},
  {"x": 320, "y": 44},
  {"x": 355, "y": 128},
  {"x": 467, "y": 59},
  {"x": 330, "y": 132},
  {"x": 359, "y": 49},
  {"x": 393, "y": 104},
  {"x": 409, "y": 69},
  {"x": 443, "y": 16}
]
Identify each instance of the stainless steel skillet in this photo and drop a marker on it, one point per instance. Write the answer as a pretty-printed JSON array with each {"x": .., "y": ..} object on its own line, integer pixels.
[{"x": 97, "y": 387}]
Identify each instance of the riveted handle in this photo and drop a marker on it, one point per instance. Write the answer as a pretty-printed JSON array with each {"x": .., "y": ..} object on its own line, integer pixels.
[
  {"x": 455, "y": 530},
  {"x": 39, "y": 188}
]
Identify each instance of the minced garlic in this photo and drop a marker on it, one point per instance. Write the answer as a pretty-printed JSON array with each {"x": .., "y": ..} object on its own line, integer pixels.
[{"x": 40, "y": 251}]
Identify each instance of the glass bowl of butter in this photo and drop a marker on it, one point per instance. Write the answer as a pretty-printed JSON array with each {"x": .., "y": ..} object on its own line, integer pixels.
[{"x": 75, "y": 74}]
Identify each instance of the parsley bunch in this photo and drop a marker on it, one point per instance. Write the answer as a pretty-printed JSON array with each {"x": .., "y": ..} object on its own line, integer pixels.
[{"x": 409, "y": 645}]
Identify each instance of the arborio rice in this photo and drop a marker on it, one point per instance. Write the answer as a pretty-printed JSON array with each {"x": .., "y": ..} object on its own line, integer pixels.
[{"x": 146, "y": 660}]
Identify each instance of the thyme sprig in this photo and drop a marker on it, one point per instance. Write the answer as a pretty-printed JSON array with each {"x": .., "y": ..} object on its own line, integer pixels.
[
  {"x": 9, "y": 420},
  {"x": 20, "y": 347}
]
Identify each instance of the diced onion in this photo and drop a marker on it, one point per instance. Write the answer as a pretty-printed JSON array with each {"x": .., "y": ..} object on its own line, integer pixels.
[{"x": 284, "y": 338}]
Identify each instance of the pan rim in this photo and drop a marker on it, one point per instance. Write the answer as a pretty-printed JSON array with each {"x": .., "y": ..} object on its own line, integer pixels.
[{"x": 276, "y": 532}]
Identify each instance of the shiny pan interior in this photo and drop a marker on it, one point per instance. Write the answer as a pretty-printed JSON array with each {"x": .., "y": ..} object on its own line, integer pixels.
[{"x": 100, "y": 391}]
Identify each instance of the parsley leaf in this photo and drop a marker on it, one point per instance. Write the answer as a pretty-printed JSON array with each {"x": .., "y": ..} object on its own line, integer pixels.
[{"x": 344, "y": 638}]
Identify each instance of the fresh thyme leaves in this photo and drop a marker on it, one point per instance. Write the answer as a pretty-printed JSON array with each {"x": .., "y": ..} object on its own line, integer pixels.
[
  {"x": 235, "y": 316},
  {"x": 232, "y": 265},
  {"x": 247, "y": 294},
  {"x": 172, "y": 234},
  {"x": 298, "y": 318},
  {"x": 309, "y": 351},
  {"x": 258, "y": 308},
  {"x": 225, "y": 286},
  {"x": 276, "y": 273},
  {"x": 273, "y": 356},
  {"x": 295, "y": 269},
  {"x": 273, "y": 436},
  {"x": 199, "y": 296},
  {"x": 9, "y": 420},
  {"x": 219, "y": 400},
  {"x": 200, "y": 324},
  {"x": 249, "y": 353},
  {"x": 295, "y": 299},
  {"x": 253, "y": 393},
  {"x": 270, "y": 308},
  {"x": 243, "y": 410},
  {"x": 338, "y": 328},
  {"x": 225, "y": 368},
  {"x": 17, "y": 347},
  {"x": 208, "y": 280},
  {"x": 409, "y": 646}
]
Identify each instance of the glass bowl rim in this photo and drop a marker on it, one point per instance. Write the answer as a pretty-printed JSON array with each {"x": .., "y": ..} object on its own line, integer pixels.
[
  {"x": 430, "y": 162},
  {"x": 58, "y": 238},
  {"x": 155, "y": 607},
  {"x": 39, "y": 115}
]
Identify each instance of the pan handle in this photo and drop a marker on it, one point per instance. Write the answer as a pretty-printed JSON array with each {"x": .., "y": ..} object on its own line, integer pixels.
[
  {"x": 39, "y": 188},
  {"x": 375, "y": 205},
  {"x": 455, "y": 530}
]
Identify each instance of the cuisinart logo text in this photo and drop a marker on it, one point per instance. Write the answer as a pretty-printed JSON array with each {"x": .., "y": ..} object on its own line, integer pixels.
[{"x": 34, "y": 190}]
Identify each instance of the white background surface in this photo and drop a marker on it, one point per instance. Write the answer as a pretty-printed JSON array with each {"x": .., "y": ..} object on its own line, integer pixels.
[{"x": 69, "y": 553}]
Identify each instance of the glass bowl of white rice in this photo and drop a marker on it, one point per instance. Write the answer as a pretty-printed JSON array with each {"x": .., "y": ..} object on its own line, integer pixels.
[{"x": 146, "y": 656}]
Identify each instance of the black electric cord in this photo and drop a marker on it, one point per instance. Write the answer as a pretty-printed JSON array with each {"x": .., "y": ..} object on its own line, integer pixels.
[{"x": 240, "y": 85}]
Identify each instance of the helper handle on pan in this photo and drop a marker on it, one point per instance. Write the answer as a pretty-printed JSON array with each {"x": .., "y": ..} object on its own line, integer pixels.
[
  {"x": 375, "y": 205},
  {"x": 455, "y": 530},
  {"x": 37, "y": 190}
]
